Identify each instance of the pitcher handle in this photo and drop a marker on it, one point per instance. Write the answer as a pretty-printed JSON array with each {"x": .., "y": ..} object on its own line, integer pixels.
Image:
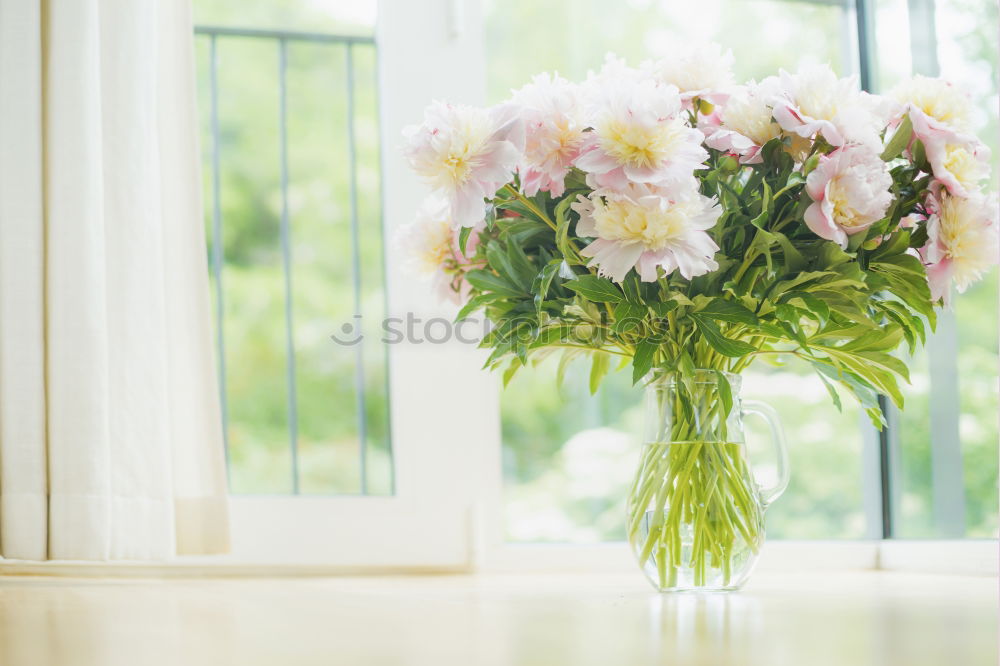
[{"x": 766, "y": 412}]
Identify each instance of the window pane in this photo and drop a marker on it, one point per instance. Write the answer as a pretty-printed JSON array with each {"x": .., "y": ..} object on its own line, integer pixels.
[
  {"x": 521, "y": 40},
  {"x": 945, "y": 473},
  {"x": 569, "y": 457},
  {"x": 341, "y": 421},
  {"x": 824, "y": 499}
]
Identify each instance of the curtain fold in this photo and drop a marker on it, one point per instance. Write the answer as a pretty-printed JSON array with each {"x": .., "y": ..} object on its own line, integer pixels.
[{"x": 110, "y": 437}]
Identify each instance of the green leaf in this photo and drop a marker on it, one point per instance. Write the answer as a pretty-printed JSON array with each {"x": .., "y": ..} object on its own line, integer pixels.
[
  {"x": 642, "y": 362},
  {"x": 474, "y": 304},
  {"x": 599, "y": 290},
  {"x": 900, "y": 140},
  {"x": 486, "y": 281},
  {"x": 540, "y": 285},
  {"x": 866, "y": 396},
  {"x": 834, "y": 395},
  {"x": 564, "y": 361},
  {"x": 599, "y": 366},
  {"x": 794, "y": 261},
  {"x": 920, "y": 156},
  {"x": 498, "y": 261},
  {"x": 522, "y": 230},
  {"x": 463, "y": 238},
  {"x": 762, "y": 242},
  {"x": 562, "y": 233},
  {"x": 795, "y": 178},
  {"x": 882, "y": 339},
  {"x": 629, "y": 318},
  {"x": 552, "y": 334},
  {"x": 720, "y": 343},
  {"x": 872, "y": 368},
  {"x": 722, "y": 309},
  {"x": 725, "y": 392},
  {"x": 491, "y": 217},
  {"x": 508, "y": 374},
  {"x": 631, "y": 288},
  {"x": 663, "y": 308}
]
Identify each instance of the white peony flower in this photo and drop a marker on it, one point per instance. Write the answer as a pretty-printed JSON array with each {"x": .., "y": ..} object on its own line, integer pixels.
[
  {"x": 850, "y": 191},
  {"x": 644, "y": 228},
  {"x": 426, "y": 242},
  {"x": 745, "y": 122},
  {"x": 552, "y": 112},
  {"x": 961, "y": 241},
  {"x": 465, "y": 154},
  {"x": 815, "y": 102},
  {"x": 703, "y": 71},
  {"x": 639, "y": 136},
  {"x": 430, "y": 245},
  {"x": 937, "y": 99},
  {"x": 749, "y": 112}
]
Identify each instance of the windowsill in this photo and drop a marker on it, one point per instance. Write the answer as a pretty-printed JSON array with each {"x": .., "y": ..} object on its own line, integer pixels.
[
  {"x": 834, "y": 618},
  {"x": 965, "y": 557}
]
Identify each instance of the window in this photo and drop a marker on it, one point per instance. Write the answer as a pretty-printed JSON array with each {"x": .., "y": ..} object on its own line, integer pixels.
[
  {"x": 944, "y": 471},
  {"x": 430, "y": 460},
  {"x": 568, "y": 457},
  {"x": 291, "y": 160},
  {"x": 286, "y": 86}
]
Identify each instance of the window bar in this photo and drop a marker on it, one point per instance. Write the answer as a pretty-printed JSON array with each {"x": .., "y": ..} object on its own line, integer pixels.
[
  {"x": 359, "y": 356},
  {"x": 880, "y": 445},
  {"x": 217, "y": 249},
  {"x": 863, "y": 11},
  {"x": 947, "y": 483},
  {"x": 293, "y": 417},
  {"x": 387, "y": 441},
  {"x": 923, "y": 37},
  {"x": 295, "y": 35}
]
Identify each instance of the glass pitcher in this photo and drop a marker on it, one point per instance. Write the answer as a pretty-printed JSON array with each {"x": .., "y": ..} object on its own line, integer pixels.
[{"x": 695, "y": 511}]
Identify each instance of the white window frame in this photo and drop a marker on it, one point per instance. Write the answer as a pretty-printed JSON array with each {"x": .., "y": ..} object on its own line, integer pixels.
[{"x": 444, "y": 411}]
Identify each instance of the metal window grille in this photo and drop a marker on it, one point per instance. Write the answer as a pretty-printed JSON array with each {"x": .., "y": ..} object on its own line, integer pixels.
[{"x": 281, "y": 40}]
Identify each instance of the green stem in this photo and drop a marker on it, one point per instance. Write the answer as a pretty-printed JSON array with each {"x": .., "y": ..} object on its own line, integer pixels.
[
  {"x": 530, "y": 205},
  {"x": 693, "y": 509}
]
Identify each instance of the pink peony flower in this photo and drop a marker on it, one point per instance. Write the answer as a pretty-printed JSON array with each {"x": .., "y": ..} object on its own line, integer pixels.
[
  {"x": 639, "y": 136},
  {"x": 958, "y": 161},
  {"x": 962, "y": 241},
  {"x": 645, "y": 228},
  {"x": 554, "y": 125},
  {"x": 465, "y": 154},
  {"x": 850, "y": 191}
]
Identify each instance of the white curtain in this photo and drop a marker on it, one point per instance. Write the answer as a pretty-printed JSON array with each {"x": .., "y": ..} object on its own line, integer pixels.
[{"x": 110, "y": 436}]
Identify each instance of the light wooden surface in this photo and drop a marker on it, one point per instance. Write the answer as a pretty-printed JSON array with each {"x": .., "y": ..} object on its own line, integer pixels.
[{"x": 851, "y": 619}]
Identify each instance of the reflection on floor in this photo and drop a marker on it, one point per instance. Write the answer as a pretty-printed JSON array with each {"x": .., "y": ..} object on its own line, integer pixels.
[{"x": 841, "y": 619}]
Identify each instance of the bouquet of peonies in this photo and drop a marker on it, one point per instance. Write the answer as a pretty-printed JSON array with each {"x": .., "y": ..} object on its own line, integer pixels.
[{"x": 666, "y": 217}]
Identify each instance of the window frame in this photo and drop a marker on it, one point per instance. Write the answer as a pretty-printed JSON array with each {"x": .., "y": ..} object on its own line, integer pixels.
[{"x": 443, "y": 409}]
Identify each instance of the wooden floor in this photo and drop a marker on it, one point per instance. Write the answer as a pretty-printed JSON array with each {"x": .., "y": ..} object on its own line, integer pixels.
[{"x": 852, "y": 619}]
